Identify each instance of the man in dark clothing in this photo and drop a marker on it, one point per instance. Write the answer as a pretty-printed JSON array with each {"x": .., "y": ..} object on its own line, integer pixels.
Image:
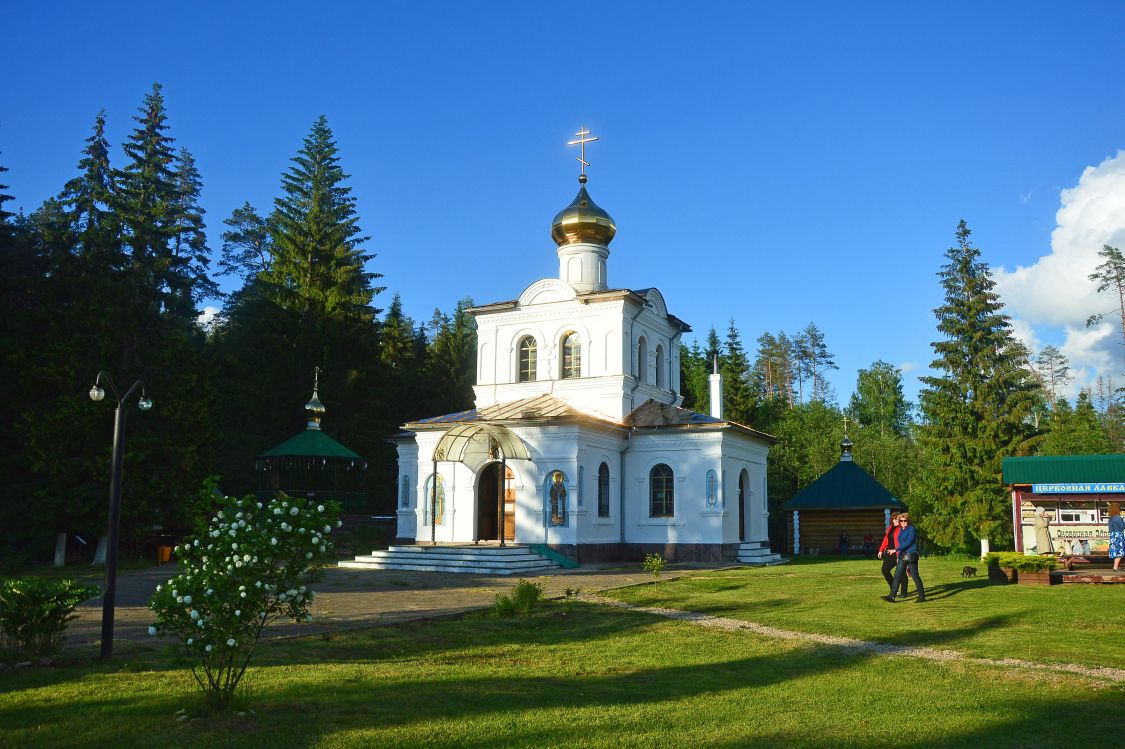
[
  {"x": 906, "y": 549},
  {"x": 887, "y": 554}
]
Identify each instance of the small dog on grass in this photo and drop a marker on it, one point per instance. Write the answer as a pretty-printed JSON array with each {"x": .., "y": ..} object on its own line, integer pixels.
[{"x": 968, "y": 571}]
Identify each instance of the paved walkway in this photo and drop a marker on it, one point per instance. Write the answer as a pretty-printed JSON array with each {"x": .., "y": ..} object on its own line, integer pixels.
[{"x": 349, "y": 598}]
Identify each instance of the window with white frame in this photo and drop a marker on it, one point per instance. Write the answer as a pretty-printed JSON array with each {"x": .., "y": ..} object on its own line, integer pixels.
[
  {"x": 528, "y": 353},
  {"x": 571, "y": 356},
  {"x": 661, "y": 491},
  {"x": 405, "y": 492},
  {"x": 603, "y": 491}
]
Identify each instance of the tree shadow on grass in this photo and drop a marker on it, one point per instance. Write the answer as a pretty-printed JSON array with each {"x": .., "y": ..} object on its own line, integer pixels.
[{"x": 428, "y": 692}]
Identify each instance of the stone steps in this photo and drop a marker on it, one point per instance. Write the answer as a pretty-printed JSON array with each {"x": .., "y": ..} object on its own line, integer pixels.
[
  {"x": 480, "y": 560},
  {"x": 758, "y": 553}
]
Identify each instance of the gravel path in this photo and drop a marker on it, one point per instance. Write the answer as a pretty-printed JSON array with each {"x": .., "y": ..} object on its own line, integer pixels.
[{"x": 727, "y": 624}]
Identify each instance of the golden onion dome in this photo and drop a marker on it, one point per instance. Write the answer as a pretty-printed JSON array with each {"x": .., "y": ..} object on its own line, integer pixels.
[{"x": 583, "y": 221}]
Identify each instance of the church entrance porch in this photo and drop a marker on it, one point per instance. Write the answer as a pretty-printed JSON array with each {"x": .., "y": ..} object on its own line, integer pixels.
[{"x": 492, "y": 495}]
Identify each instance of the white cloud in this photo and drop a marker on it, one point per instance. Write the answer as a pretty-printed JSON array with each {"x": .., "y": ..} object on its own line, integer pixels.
[
  {"x": 1056, "y": 291},
  {"x": 206, "y": 317},
  {"x": 908, "y": 366},
  {"x": 1025, "y": 197}
]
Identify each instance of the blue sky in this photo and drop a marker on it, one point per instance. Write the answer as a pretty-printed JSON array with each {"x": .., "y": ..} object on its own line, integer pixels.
[{"x": 778, "y": 164}]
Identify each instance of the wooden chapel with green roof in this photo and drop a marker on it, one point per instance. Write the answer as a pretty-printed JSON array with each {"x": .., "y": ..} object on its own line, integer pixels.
[
  {"x": 845, "y": 500},
  {"x": 312, "y": 464}
]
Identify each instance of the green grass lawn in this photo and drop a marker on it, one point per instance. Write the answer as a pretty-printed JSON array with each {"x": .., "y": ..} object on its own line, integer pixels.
[
  {"x": 587, "y": 675},
  {"x": 1072, "y": 623}
]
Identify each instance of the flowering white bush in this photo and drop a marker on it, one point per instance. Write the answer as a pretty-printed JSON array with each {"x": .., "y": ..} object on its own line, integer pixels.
[{"x": 248, "y": 565}]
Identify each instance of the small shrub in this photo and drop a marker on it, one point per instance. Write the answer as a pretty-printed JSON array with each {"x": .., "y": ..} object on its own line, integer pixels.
[
  {"x": 34, "y": 613},
  {"x": 520, "y": 601},
  {"x": 1020, "y": 562},
  {"x": 654, "y": 563}
]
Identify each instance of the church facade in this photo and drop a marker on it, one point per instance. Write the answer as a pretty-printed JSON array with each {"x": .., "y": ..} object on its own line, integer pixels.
[{"x": 578, "y": 440}]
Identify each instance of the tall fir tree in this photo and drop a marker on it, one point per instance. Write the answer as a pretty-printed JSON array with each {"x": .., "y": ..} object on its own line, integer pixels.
[
  {"x": 189, "y": 241},
  {"x": 89, "y": 199},
  {"x": 975, "y": 408},
  {"x": 319, "y": 264},
  {"x": 739, "y": 401},
  {"x": 147, "y": 205}
]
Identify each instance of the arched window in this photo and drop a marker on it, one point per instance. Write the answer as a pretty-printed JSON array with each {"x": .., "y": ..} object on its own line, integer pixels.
[
  {"x": 428, "y": 495},
  {"x": 405, "y": 491},
  {"x": 556, "y": 497},
  {"x": 571, "y": 356},
  {"x": 528, "y": 356},
  {"x": 712, "y": 488},
  {"x": 659, "y": 366},
  {"x": 660, "y": 491},
  {"x": 603, "y": 491},
  {"x": 581, "y": 481},
  {"x": 642, "y": 360}
]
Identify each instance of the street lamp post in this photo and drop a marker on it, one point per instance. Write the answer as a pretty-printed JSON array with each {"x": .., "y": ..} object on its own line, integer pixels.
[{"x": 144, "y": 403}]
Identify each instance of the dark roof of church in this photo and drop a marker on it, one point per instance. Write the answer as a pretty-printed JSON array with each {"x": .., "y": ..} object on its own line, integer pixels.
[
  {"x": 638, "y": 295},
  {"x": 537, "y": 408},
  {"x": 652, "y": 414},
  {"x": 1064, "y": 469},
  {"x": 845, "y": 486},
  {"x": 547, "y": 407}
]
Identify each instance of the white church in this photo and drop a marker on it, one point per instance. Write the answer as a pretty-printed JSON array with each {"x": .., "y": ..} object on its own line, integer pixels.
[{"x": 578, "y": 442}]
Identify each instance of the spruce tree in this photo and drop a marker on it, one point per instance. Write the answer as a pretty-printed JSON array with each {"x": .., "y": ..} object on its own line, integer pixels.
[
  {"x": 319, "y": 265},
  {"x": 147, "y": 205},
  {"x": 975, "y": 407},
  {"x": 189, "y": 241},
  {"x": 739, "y": 401},
  {"x": 89, "y": 199}
]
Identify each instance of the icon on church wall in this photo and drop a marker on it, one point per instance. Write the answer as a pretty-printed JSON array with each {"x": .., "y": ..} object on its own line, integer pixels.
[{"x": 558, "y": 498}]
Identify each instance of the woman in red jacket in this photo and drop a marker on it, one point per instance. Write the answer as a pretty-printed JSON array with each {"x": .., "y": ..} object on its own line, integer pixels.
[{"x": 887, "y": 554}]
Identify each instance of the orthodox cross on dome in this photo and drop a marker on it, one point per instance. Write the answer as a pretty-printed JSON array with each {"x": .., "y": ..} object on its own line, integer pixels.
[
  {"x": 846, "y": 420},
  {"x": 581, "y": 142}
]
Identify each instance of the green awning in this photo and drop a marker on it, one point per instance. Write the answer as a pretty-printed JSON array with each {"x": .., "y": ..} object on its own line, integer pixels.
[
  {"x": 1064, "y": 469},
  {"x": 845, "y": 486},
  {"x": 311, "y": 443}
]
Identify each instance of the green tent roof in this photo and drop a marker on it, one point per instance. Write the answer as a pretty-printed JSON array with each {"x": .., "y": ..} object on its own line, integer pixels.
[
  {"x": 1064, "y": 469},
  {"x": 845, "y": 486},
  {"x": 311, "y": 443}
]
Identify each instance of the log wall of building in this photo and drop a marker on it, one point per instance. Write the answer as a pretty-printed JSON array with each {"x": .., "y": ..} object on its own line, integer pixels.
[{"x": 821, "y": 529}]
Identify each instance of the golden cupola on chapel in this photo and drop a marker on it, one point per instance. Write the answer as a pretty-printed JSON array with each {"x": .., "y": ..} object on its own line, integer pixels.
[
  {"x": 583, "y": 231},
  {"x": 583, "y": 221}
]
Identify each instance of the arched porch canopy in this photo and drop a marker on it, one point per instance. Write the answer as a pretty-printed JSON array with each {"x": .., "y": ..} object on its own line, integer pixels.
[{"x": 475, "y": 444}]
